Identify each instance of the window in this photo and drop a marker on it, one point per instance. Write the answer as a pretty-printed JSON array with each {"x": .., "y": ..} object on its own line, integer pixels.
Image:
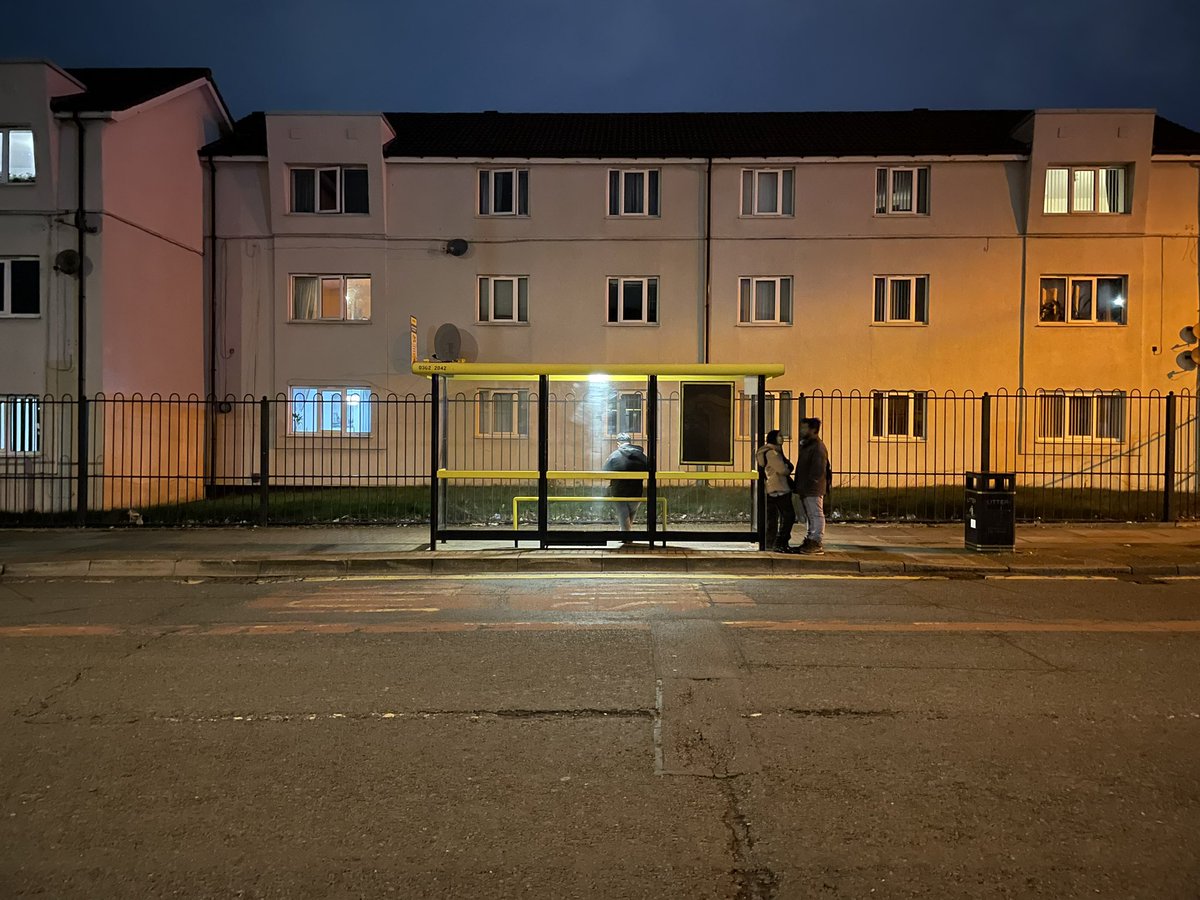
[
  {"x": 778, "y": 414},
  {"x": 20, "y": 425},
  {"x": 504, "y": 192},
  {"x": 902, "y": 190},
  {"x": 330, "y": 410},
  {"x": 901, "y": 299},
  {"x": 1083, "y": 417},
  {"x": 331, "y": 298},
  {"x": 502, "y": 413},
  {"x": 1093, "y": 189},
  {"x": 633, "y": 192},
  {"x": 1086, "y": 299},
  {"x": 626, "y": 413},
  {"x": 20, "y": 290},
  {"x": 767, "y": 192},
  {"x": 898, "y": 416},
  {"x": 17, "y": 163},
  {"x": 765, "y": 301},
  {"x": 503, "y": 298},
  {"x": 330, "y": 189},
  {"x": 633, "y": 301}
]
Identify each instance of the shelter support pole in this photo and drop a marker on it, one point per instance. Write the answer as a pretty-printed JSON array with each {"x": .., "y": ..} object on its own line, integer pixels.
[
  {"x": 543, "y": 428},
  {"x": 435, "y": 431},
  {"x": 760, "y": 426},
  {"x": 652, "y": 448}
]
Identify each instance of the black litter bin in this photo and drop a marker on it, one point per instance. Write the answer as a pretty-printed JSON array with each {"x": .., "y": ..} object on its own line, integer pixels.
[{"x": 990, "y": 513}]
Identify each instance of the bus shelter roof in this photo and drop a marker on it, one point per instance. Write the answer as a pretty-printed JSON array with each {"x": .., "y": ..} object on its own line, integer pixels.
[{"x": 596, "y": 371}]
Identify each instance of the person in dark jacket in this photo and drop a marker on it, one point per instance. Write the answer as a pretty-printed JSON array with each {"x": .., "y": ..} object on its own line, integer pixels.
[
  {"x": 628, "y": 457},
  {"x": 777, "y": 470},
  {"x": 812, "y": 481}
]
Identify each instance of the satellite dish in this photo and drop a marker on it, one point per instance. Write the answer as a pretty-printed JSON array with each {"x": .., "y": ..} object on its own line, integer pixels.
[
  {"x": 457, "y": 247},
  {"x": 67, "y": 262},
  {"x": 447, "y": 343}
]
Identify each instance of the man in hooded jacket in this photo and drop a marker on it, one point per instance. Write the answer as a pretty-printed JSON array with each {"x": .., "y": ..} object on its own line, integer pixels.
[{"x": 628, "y": 457}]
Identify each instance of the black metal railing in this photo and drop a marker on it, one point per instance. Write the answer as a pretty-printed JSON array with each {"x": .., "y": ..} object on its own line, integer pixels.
[{"x": 356, "y": 458}]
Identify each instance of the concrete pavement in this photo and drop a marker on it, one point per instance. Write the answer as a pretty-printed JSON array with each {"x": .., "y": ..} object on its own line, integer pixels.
[{"x": 1134, "y": 550}]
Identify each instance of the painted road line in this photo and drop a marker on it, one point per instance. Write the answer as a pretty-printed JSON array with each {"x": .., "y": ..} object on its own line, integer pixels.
[
  {"x": 1067, "y": 626},
  {"x": 629, "y": 576}
]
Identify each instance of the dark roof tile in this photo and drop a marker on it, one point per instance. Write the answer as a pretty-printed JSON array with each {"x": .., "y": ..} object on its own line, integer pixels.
[{"x": 115, "y": 90}]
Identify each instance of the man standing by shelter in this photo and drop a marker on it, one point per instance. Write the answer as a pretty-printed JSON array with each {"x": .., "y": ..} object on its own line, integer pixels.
[
  {"x": 813, "y": 475},
  {"x": 628, "y": 457}
]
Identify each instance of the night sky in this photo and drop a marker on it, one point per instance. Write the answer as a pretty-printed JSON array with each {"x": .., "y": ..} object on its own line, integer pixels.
[{"x": 576, "y": 56}]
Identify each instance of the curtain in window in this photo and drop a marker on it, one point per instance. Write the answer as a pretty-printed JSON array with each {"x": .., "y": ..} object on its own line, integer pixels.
[
  {"x": 502, "y": 192},
  {"x": 768, "y": 192},
  {"x": 923, "y": 191},
  {"x": 901, "y": 300},
  {"x": 20, "y": 156},
  {"x": 614, "y": 192},
  {"x": 902, "y": 190},
  {"x": 1052, "y": 415},
  {"x": 304, "y": 298},
  {"x": 503, "y": 403},
  {"x": 485, "y": 299},
  {"x": 485, "y": 192},
  {"x": 1079, "y": 416},
  {"x": 483, "y": 412},
  {"x": 358, "y": 298},
  {"x": 1081, "y": 301},
  {"x": 1056, "y": 191},
  {"x": 784, "y": 415},
  {"x": 1083, "y": 191},
  {"x": 523, "y": 193},
  {"x": 747, "y": 192},
  {"x": 1110, "y": 416},
  {"x": 764, "y": 300},
  {"x": 881, "y": 192},
  {"x": 785, "y": 300},
  {"x": 897, "y": 415},
  {"x": 744, "y": 300},
  {"x": 1112, "y": 190},
  {"x": 523, "y": 412},
  {"x": 635, "y": 193},
  {"x": 502, "y": 299},
  {"x": 22, "y": 432},
  {"x": 788, "y": 192},
  {"x": 881, "y": 296}
]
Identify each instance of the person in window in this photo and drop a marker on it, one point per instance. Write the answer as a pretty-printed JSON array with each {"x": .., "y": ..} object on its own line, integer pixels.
[
  {"x": 777, "y": 468},
  {"x": 628, "y": 457},
  {"x": 813, "y": 478},
  {"x": 1052, "y": 310}
]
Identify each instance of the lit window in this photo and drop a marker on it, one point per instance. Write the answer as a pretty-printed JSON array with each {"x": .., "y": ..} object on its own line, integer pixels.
[
  {"x": 901, "y": 299},
  {"x": 767, "y": 192},
  {"x": 20, "y": 288},
  {"x": 633, "y": 192},
  {"x": 330, "y": 189},
  {"x": 20, "y": 425},
  {"x": 17, "y": 162},
  {"x": 502, "y": 413},
  {"x": 625, "y": 413},
  {"x": 902, "y": 190},
  {"x": 1083, "y": 417},
  {"x": 331, "y": 298},
  {"x": 1084, "y": 299},
  {"x": 330, "y": 410},
  {"x": 765, "y": 301},
  {"x": 898, "y": 415},
  {"x": 633, "y": 301},
  {"x": 503, "y": 192},
  {"x": 503, "y": 299},
  {"x": 1090, "y": 189}
]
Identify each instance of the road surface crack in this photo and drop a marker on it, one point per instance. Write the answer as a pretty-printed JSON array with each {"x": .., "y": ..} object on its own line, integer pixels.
[{"x": 754, "y": 881}]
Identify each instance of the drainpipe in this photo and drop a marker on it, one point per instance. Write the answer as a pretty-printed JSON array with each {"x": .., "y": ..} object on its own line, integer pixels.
[
  {"x": 707, "y": 258},
  {"x": 213, "y": 399},
  {"x": 81, "y": 424}
]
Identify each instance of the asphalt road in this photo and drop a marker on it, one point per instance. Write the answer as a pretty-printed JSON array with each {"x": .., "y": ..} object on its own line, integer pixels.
[{"x": 607, "y": 737}]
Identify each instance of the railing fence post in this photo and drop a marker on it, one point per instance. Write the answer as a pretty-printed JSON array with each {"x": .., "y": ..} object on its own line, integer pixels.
[
  {"x": 1168, "y": 508},
  {"x": 264, "y": 461},
  {"x": 81, "y": 443},
  {"x": 985, "y": 432}
]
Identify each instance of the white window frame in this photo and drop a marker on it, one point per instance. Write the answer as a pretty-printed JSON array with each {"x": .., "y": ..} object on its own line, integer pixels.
[
  {"x": 318, "y": 318},
  {"x": 753, "y": 281},
  {"x": 11, "y": 415},
  {"x": 6, "y": 282},
  {"x": 485, "y": 401},
  {"x": 645, "y": 281},
  {"x": 1065, "y": 398},
  {"x": 516, "y": 212},
  {"x": 1097, "y": 180},
  {"x": 616, "y": 410},
  {"x": 518, "y": 281},
  {"x": 909, "y": 436},
  {"x": 347, "y": 396},
  {"x": 782, "y": 198},
  {"x": 777, "y": 401},
  {"x": 338, "y": 207},
  {"x": 6, "y": 154},
  {"x": 889, "y": 197},
  {"x": 889, "y": 319},
  {"x": 622, "y": 212},
  {"x": 1067, "y": 306}
]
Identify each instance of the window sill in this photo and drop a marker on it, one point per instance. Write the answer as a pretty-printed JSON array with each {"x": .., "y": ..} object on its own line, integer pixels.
[
  {"x": 505, "y": 436},
  {"x": 502, "y": 216},
  {"x": 896, "y": 439},
  {"x": 6, "y": 183},
  {"x": 1077, "y": 441},
  {"x": 4, "y": 315},
  {"x": 633, "y": 324},
  {"x": 326, "y": 436},
  {"x": 329, "y": 321},
  {"x": 504, "y": 324},
  {"x": 901, "y": 215},
  {"x": 1081, "y": 325},
  {"x": 766, "y": 215},
  {"x": 654, "y": 216},
  {"x": 327, "y": 215},
  {"x": 899, "y": 324},
  {"x": 1085, "y": 215},
  {"x": 764, "y": 324}
]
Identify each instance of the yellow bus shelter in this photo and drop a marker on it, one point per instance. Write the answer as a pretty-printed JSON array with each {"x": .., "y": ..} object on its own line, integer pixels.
[{"x": 701, "y": 445}]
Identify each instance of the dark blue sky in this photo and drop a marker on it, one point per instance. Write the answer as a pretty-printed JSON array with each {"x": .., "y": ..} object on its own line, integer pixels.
[{"x": 572, "y": 55}]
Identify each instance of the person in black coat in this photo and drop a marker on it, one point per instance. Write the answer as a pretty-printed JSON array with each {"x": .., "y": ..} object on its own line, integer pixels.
[{"x": 628, "y": 457}]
